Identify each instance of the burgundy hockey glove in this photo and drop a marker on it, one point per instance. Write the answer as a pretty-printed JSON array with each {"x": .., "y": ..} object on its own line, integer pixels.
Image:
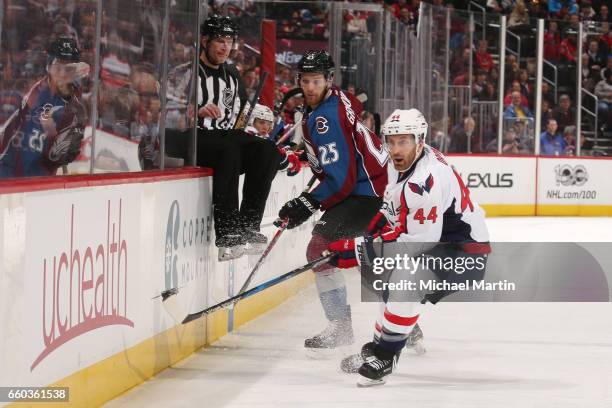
[{"x": 298, "y": 210}]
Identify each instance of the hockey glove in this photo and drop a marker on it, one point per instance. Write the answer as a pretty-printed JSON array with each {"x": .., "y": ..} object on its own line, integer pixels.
[
  {"x": 298, "y": 210},
  {"x": 289, "y": 162},
  {"x": 66, "y": 146},
  {"x": 346, "y": 253},
  {"x": 378, "y": 225}
]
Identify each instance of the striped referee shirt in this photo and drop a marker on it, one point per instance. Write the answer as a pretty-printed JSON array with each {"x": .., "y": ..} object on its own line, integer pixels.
[{"x": 222, "y": 87}]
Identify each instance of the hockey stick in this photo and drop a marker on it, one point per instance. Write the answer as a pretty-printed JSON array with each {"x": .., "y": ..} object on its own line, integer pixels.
[
  {"x": 243, "y": 118},
  {"x": 166, "y": 294},
  {"x": 281, "y": 228},
  {"x": 259, "y": 288},
  {"x": 287, "y": 134}
]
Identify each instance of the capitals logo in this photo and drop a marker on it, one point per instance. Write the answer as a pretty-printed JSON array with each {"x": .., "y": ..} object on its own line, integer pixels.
[
  {"x": 419, "y": 188},
  {"x": 321, "y": 123}
]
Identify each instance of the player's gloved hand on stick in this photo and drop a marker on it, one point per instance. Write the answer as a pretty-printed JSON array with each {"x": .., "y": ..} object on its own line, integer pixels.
[
  {"x": 291, "y": 161},
  {"x": 378, "y": 226},
  {"x": 298, "y": 210},
  {"x": 346, "y": 255}
]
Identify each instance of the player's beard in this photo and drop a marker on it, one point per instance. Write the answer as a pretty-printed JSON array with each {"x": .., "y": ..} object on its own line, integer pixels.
[{"x": 314, "y": 100}]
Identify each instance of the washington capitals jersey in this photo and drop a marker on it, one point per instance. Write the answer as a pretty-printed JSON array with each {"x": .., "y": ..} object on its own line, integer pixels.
[
  {"x": 430, "y": 203},
  {"x": 27, "y": 137},
  {"x": 345, "y": 156}
]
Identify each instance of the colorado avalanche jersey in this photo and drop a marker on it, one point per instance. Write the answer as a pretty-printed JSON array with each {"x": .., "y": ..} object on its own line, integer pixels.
[
  {"x": 430, "y": 203},
  {"x": 345, "y": 156},
  {"x": 28, "y": 135}
]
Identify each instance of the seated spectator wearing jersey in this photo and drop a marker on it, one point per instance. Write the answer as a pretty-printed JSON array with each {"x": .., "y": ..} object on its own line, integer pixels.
[
  {"x": 484, "y": 60},
  {"x": 551, "y": 141}
]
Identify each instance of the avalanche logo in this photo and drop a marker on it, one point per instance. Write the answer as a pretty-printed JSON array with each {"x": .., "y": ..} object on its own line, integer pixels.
[
  {"x": 322, "y": 127},
  {"x": 418, "y": 188}
]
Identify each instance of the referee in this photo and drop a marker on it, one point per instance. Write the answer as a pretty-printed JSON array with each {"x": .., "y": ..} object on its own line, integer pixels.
[{"x": 229, "y": 152}]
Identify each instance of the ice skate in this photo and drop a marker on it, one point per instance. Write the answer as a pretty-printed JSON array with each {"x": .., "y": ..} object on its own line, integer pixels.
[
  {"x": 377, "y": 367},
  {"x": 352, "y": 363},
  {"x": 256, "y": 242},
  {"x": 334, "y": 338},
  {"x": 230, "y": 247},
  {"x": 415, "y": 341}
]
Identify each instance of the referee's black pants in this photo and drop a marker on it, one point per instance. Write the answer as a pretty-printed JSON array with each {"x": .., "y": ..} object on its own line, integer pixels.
[{"x": 231, "y": 153}]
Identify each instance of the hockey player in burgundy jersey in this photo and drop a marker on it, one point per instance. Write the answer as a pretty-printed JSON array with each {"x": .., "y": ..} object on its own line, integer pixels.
[
  {"x": 350, "y": 163},
  {"x": 424, "y": 202},
  {"x": 46, "y": 131}
]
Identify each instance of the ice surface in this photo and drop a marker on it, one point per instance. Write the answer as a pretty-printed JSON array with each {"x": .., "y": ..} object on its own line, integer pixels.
[{"x": 478, "y": 354}]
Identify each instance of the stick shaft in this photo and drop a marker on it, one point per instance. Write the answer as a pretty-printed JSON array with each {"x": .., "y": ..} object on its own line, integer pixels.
[{"x": 259, "y": 288}]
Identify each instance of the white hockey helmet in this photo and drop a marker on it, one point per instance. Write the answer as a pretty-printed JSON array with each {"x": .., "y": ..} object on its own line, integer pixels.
[
  {"x": 405, "y": 122},
  {"x": 262, "y": 112}
]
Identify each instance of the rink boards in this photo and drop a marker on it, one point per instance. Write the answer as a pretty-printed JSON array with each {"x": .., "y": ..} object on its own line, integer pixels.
[
  {"x": 84, "y": 260},
  {"x": 529, "y": 185}
]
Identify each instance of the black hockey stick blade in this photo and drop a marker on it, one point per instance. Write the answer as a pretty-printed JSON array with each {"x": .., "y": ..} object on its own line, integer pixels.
[{"x": 259, "y": 288}]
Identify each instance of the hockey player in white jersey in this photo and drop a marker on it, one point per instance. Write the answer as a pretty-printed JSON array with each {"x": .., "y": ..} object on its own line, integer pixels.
[{"x": 425, "y": 201}]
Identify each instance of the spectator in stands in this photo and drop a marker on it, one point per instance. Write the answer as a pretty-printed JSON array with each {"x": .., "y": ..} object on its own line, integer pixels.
[
  {"x": 145, "y": 127},
  {"x": 603, "y": 91},
  {"x": 460, "y": 63},
  {"x": 480, "y": 85},
  {"x": 463, "y": 138},
  {"x": 552, "y": 41},
  {"x": 564, "y": 113},
  {"x": 547, "y": 93},
  {"x": 519, "y": 15},
  {"x": 407, "y": 17},
  {"x": 569, "y": 135},
  {"x": 516, "y": 87},
  {"x": 526, "y": 90},
  {"x": 608, "y": 67},
  {"x": 597, "y": 60},
  {"x": 547, "y": 112},
  {"x": 511, "y": 70},
  {"x": 511, "y": 144},
  {"x": 604, "y": 13},
  {"x": 484, "y": 60},
  {"x": 250, "y": 78},
  {"x": 562, "y": 7},
  {"x": 551, "y": 141},
  {"x": 590, "y": 76},
  {"x": 517, "y": 109},
  {"x": 490, "y": 92},
  {"x": 494, "y": 76},
  {"x": 567, "y": 49},
  {"x": 586, "y": 11},
  {"x": 285, "y": 76},
  {"x": 396, "y": 8}
]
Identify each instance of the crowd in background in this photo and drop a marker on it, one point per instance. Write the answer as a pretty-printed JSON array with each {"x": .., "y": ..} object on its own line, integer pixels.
[{"x": 130, "y": 62}]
